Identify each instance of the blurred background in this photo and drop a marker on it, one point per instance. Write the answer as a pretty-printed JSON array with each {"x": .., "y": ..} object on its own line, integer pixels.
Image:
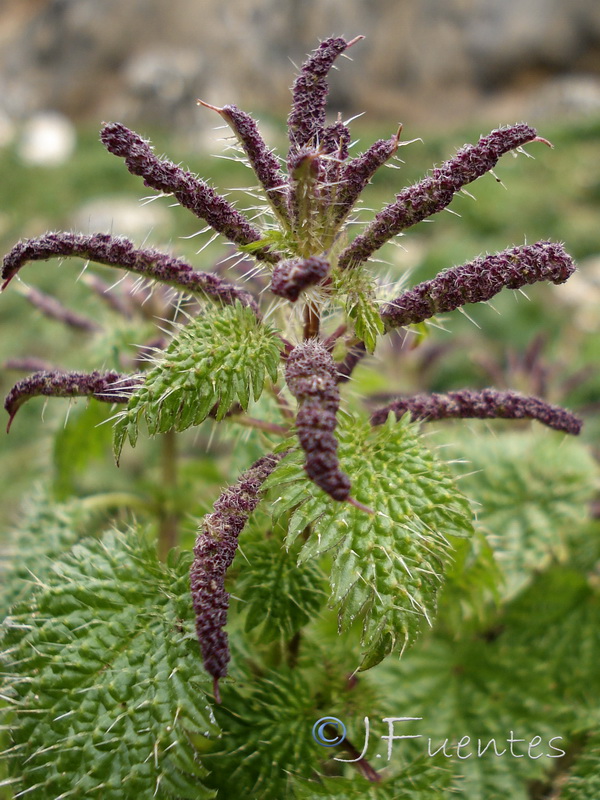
[
  {"x": 145, "y": 61},
  {"x": 449, "y": 70}
]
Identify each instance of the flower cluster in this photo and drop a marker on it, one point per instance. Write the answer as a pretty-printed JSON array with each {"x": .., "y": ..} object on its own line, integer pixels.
[{"x": 303, "y": 243}]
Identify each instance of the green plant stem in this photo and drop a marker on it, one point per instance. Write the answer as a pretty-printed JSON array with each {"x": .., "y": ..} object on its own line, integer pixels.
[
  {"x": 168, "y": 529},
  {"x": 293, "y": 650}
]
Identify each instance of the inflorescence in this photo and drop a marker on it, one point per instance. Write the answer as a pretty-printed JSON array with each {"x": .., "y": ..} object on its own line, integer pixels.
[{"x": 310, "y": 200}]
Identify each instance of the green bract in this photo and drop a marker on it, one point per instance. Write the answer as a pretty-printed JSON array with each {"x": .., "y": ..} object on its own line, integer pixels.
[
  {"x": 221, "y": 357},
  {"x": 388, "y": 566}
]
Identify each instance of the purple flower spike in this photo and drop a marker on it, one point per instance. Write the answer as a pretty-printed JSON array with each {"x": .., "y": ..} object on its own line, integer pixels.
[
  {"x": 214, "y": 551},
  {"x": 261, "y": 159},
  {"x": 311, "y": 375},
  {"x": 479, "y": 280},
  {"x": 109, "y": 387},
  {"x": 335, "y": 140},
  {"x": 120, "y": 252},
  {"x": 292, "y": 276},
  {"x": 358, "y": 172},
  {"x": 190, "y": 191},
  {"x": 334, "y": 146},
  {"x": 435, "y": 192},
  {"x": 306, "y": 121},
  {"x": 486, "y": 404}
]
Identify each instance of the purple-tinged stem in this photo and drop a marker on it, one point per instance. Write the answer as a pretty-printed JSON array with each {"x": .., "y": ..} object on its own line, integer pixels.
[
  {"x": 435, "y": 192},
  {"x": 479, "y": 280},
  {"x": 52, "y": 308},
  {"x": 291, "y": 277},
  {"x": 109, "y": 387},
  {"x": 306, "y": 121},
  {"x": 214, "y": 551},
  {"x": 353, "y": 357},
  {"x": 311, "y": 375},
  {"x": 189, "y": 191},
  {"x": 484, "y": 404},
  {"x": 261, "y": 159},
  {"x": 112, "y": 251}
]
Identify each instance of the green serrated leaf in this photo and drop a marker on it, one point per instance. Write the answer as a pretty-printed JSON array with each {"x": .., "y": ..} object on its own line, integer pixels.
[
  {"x": 269, "y": 740},
  {"x": 488, "y": 691},
  {"x": 532, "y": 493},
  {"x": 583, "y": 781},
  {"x": 419, "y": 780},
  {"x": 388, "y": 566},
  {"x": 114, "y": 689},
  {"x": 214, "y": 360},
  {"x": 46, "y": 530},
  {"x": 278, "y": 594}
]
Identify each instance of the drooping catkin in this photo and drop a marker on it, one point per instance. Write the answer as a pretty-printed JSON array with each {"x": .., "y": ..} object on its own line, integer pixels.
[
  {"x": 311, "y": 375},
  {"x": 214, "y": 551}
]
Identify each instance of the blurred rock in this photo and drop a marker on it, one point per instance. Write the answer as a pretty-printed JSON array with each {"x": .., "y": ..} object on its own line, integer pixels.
[
  {"x": 568, "y": 96},
  {"x": 47, "y": 139},
  {"x": 122, "y": 217},
  {"x": 148, "y": 60}
]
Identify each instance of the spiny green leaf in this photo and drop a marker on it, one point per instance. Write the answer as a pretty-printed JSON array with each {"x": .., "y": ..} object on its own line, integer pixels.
[
  {"x": 419, "y": 780},
  {"x": 278, "y": 594},
  {"x": 46, "y": 530},
  {"x": 218, "y": 358},
  {"x": 387, "y": 567},
  {"x": 532, "y": 491},
  {"x": 104, "y": 678},
  {"x": 483, "y": 690},
  {"x": 560, "y": 612},
  {"x": 280, "y": 240},
  {"x": 584, "y": 779},
  {"x": 269, "y": 739},
  {"x": 471, "y": 590}
]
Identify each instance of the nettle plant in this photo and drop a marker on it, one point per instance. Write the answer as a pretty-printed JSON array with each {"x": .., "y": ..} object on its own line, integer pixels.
[{"x": 108, "y": 693}]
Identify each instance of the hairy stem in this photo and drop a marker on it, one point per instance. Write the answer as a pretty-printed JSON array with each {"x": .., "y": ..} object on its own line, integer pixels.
[{"x": 312, "y": 322}]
